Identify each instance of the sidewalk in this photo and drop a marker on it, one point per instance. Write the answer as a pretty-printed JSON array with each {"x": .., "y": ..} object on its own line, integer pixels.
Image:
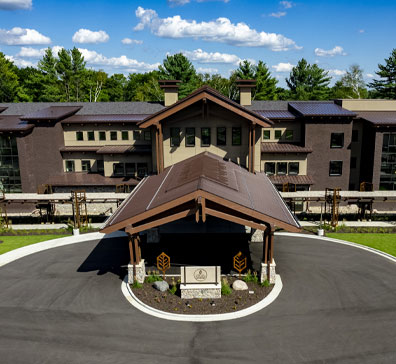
[
  {"x": 46, "y": 226},
  {"x": 354, "y": 223}
]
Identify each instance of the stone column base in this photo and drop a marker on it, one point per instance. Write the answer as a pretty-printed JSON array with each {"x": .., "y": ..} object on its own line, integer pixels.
[
  {"x": 264, "y": 272},
  {"x": 140, "y": 272},
  {"x": 257, "y": 236}
]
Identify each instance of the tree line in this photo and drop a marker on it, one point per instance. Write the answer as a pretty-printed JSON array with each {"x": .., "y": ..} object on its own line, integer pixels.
[{"x": 65, "y": 77}]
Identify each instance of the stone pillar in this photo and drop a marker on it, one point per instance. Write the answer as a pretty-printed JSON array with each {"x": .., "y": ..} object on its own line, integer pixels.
[
  {"x": 140, "y": 272},
  {"x": 257, "y": 236},
  {"x": 264, "y": 272}
]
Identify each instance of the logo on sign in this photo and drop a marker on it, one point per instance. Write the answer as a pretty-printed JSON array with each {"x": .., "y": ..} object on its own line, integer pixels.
[{"x": 200, "y": 275}]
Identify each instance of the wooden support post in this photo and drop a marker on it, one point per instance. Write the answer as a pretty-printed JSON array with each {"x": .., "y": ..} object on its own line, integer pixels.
[
  {"x": 253, "y": 145},
  {"x": 132, "y": 255},
  {"x": 271, "y": 243},
  {"x": 136, "y": 248},
  {"x": 203, "y": 207},
  {"x": 161, "y": 147},
  {"x": 157, "y": 149},
  {"x": 250, "y": 148},
  {"x": 265, "y": 246}
]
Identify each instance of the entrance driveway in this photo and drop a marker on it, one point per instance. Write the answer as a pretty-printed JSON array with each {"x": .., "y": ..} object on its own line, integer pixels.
[{"x": 64, "y": 305}]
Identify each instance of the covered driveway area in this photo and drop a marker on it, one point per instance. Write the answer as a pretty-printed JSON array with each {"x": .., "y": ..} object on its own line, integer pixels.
[{"x": 65, "y": 305}]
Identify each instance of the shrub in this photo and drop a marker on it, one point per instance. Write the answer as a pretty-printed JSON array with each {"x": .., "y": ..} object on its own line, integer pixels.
[
  {"x": 136, "y": 284},
  {"x": 173, "y": 287},
  {"x": 153, "y": 277},
  {"x": 225, "y": 287},
  {"x": 249, "y": 277},
  {"x": 266, "y": 283}
]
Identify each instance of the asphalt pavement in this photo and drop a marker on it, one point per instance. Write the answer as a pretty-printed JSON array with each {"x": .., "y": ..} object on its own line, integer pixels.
[{"x": 64, "y": 305}]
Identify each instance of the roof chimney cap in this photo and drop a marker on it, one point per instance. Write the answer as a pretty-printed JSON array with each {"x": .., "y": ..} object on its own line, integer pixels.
[
  {"x": 169, "y": 83},
  {"x": 246, "y": 83}
]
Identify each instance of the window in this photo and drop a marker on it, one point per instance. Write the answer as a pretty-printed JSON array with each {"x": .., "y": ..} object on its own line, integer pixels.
[
  {"x": 269, "y": 168},
  {"x": 100, "y": 166},
  {"x": 190, "y": 137},
  {"x": 289, "y": 135},
  {"x": 174, "y": 137},
  {"x": 353, "y": 162},
  {"x": 337, "y": 140},
  {"x": 130, "y": 169},
  {"x": 221, "y": 136},
  {"x": 91, "y": 135},
  {"x": 388, "y": 162},
  {"x": 113, "y": 135},
  {"x": 355, "y": 135},
  {"x": 136, "y": 135},
  {"x": 266, "y": 134},
  {"x": 147, "y": 135},
  {"x": 141, "y": 169},
  {"x": 69, "y": 166},
  {"x": 278, "y": 134},
  {"x": 281, "y": 168},
  {"x": 118, "y": 169},
  {"x": 335, "y": 168},
  {"x": 102, "y": 135},
  {"x": 236, "y": 136},
  {"x": 294, "y": 168},
  {"x": 205, "y": 137},
  {"x": 79, "y": 135},
  {"x": 10, "y": 178},
  {"x": 86, "y": 166},
  {"x": 125, "y": 135}
]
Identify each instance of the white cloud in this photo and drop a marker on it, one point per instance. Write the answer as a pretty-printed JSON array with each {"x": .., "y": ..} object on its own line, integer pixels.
[
  {"x": 369, "y": 75},
  {"x": 178, "y": 2},
  {"x": 283, "y": 67},
  {"x": 207, "y": 70},
  {"x": 131, "y": 41},
  {"x": 29, "y": 52},
  {"x": 201, "y": 56},
  {"x": 361, "y": 30},
  {"x": 15, "y": 4},
  {"x": 279, "y": 14},
  {"x": 220, "y": 30},
  {"x": 94, "y": 58},
  {"x": 89, "y": 36},
  {"x": 336, "y": 51},
  {"x": 22, "y": 36},
  {"x": 336, "y": 72},
  {"x": 286, "y": 4},
  {"x": 21, "y": 62}
]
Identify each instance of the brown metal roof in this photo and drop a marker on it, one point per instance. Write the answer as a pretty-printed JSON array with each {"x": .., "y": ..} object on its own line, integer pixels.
[
  {"x": 283, "y": 148},
  {"x": 105, "y": 118},
  {"x": 318, "y": 108},
  {"x": 83, "y": 149},
  {"x": 52, "y": 113},
  {"x": 88, "y": 179},
  {"x": 386, "y": 118},
  {"x": 12, "y": 123},
  {"x": 298, "y": 180},
  {"x": 209, "y": 93},
  {"x": 204, "y": 176},
  {"x": 121, "y": 149},
  {"x": 276, "y": 114}
]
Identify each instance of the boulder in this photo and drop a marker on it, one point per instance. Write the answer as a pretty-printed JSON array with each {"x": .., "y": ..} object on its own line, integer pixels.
[
  {"x": 239, "y": 285},
  {"x": 161, "y": 286}
]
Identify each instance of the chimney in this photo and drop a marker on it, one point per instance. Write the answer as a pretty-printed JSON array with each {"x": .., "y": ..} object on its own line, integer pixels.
[
  {"x": 170, "y": 88},
  {"x": 245, "y": 91}
]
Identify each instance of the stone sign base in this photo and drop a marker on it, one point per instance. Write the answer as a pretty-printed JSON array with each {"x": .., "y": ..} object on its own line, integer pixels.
[
  {"x": 190, "y": 291},
  {"x": 264, "y": 272},
  {"x": 140, "y": 272}
]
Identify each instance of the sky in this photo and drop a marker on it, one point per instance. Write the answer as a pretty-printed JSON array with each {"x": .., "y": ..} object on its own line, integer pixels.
[{"x": 122, "y": 36}]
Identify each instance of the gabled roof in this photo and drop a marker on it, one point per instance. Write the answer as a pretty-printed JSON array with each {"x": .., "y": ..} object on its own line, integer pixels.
[
  {"x": 319, "y": 108},
  {"x": 379, "y": 118},
  {"x": 206, "y": 93},
  {"x": 52, "y": 113},
  {"x": 228, "y": 190}
]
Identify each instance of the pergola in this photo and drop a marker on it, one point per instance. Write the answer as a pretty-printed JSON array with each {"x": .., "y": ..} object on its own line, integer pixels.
[{"x": 203, "y": 185}]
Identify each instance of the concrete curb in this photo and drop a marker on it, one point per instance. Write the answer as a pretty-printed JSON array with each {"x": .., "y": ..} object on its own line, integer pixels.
[
  {"x": 53, "y": 243},
  {"x": 344, "y": 242},
  {"x": 134, "y": 301}
]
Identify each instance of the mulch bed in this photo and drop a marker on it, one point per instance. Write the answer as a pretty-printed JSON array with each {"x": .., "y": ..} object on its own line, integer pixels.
[{"x": 166, "y": 301}]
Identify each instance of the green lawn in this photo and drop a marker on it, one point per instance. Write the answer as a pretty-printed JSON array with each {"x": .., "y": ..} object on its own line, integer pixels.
[
  {"x": 14, "y": 242},
  {"x": 383, "y": 242}
]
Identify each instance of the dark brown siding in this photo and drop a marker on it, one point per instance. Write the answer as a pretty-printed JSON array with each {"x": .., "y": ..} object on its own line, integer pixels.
[
  {"x": 379, "y": 138},
  {"x": 39, "y": 155},
  {"x": 317, "y": 137},
  {"x": 367, "y": 155}
]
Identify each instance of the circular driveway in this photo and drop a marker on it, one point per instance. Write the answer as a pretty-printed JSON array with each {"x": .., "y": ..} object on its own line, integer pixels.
[{"x": 65, "y": 305}]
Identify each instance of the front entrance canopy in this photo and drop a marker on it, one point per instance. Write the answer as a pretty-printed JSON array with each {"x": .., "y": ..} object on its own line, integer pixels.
[{"x": 203, "y": 185}]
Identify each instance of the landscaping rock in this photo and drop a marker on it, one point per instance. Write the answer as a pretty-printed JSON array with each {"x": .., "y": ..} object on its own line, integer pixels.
[
  {"x": 239, "y": 285},
  {"x": 161, "y": 286}
]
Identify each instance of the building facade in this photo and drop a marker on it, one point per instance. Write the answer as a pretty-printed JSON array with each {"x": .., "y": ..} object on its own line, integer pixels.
[{"x": 309, "y": 145}]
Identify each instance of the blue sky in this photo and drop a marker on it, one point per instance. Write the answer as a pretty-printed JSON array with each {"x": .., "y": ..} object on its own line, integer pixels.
[{"x": 135, "y": 36}]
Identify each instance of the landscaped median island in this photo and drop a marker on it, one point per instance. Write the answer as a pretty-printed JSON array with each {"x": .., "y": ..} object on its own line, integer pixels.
[{"x": 231, "y": 299}]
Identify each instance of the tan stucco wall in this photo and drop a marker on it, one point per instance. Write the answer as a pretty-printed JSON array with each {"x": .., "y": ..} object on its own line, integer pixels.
[
  {"x": 368, "y": 105},
  {"x": 77, "y": 158},
  {"x": 283, "y": 126},
  {"x": 302, "y": 159},
  {"x": 109, "y": 160}
]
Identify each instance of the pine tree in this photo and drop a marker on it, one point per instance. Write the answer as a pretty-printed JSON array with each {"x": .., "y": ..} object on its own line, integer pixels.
[
  {"x": 246, "y": 70},
  {"x": 265, "y": 84},
  {"x": 8, "y": 80},
  {"x": 385, "y": 87},
  {"x": 308, "y": 82}
]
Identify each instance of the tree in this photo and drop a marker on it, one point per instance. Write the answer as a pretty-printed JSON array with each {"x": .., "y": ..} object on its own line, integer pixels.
[
  {"x": 114, "y": 88},
  {"x": 8, "y": 80},
  {"x": 308, "y": 82},
  {"x": 353, "y": 83},
  {"x": 78, "y": 69},
  {"x": 385, "y": 86},
  {"x": 225, "y": 86},
  {"x": 265, "y": 84},
  {"x": 246, "y": 70},
  {"x": 178, "y": 67},
  {"x": 143, "y": 87},
  {"x": 46, "y": 80}
]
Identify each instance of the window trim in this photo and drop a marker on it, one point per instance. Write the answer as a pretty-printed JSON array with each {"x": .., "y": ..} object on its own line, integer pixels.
[{"x": 73, "y": 164}]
